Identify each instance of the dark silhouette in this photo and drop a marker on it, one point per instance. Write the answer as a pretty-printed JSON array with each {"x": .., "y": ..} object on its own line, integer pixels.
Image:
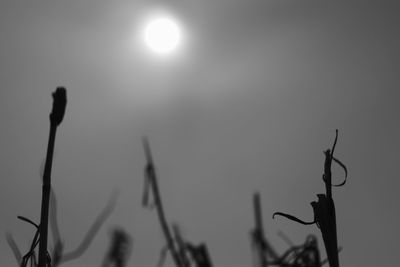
[
  {"x": 184, "y": 253},
  {"x": 265, "y": 251},
  {"x": 181, "y": 246},
  {"x": 118, "y": 254},
  {"x": 176, "y": 245},
  {"x": 14, "y": 248},
  {"x": 58, "y": 256},
  {"x": 30, "y": 256},
  {"x": 324, "y": 209},
  {"x": 305, "y": 255},
  {"x": 56, "y": 117},
  {"x": 151, "y": 183},
  {"x": 198, "y": 253},
  {"x": 48, "y": 196}
]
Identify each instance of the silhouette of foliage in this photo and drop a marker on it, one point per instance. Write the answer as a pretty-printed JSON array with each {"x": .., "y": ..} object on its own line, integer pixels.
[
  {"x": 14, "y": 248},
  {"x": 190, "y": 253},
  {"x": 56, "y": 117},
  {"x": 265, "y": 252},
  {"x": 199, "y": 254},
  {"x": 40, "y": 237},
  {"x": 305, "y": 255},
  {"x": 58, "y": 256},
  {"x": 150, "y": 184},
  {"x": 118, "y": 254},
  {"x": 181, "y": 246},
  {"x": 324, "y": 208}
]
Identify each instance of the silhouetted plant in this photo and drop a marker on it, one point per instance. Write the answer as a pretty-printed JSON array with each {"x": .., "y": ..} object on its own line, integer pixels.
[
  {"x": 305, "y": 255},
  {"x": 56, "y": 117},
  {"x": 14, "y": 248},
  {"x": 58, "y": 255},
  {"x": 30, "y": 256},
  {"x": 40, "y": 237},
  {"x": 150, "y": 183},
  {"x": 199, "y": 254},
  {"x": 190, "y": 253},
  {"x": 118, "y": 253},
  {"x": 265, "y": 251},
  {"x": 181, "y": 246},
  {"x": 324, "y": 209}
]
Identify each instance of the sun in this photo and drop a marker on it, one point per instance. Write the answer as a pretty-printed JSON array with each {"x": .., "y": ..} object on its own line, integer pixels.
[{"x": 162, "y": 35}]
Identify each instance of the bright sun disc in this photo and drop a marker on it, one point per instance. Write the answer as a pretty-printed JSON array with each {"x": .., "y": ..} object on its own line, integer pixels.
[{"x": 162, "y": 35}]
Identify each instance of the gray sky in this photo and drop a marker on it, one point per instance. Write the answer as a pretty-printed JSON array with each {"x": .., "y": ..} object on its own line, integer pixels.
[{"x": 248, "y": 104}]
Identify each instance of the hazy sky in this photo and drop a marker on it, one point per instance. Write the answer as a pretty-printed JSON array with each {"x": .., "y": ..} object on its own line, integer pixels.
[{"x": 248, "y": 104}]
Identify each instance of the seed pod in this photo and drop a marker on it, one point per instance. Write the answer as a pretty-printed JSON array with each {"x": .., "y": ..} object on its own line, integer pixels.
[{"x": 59, "y": 104}]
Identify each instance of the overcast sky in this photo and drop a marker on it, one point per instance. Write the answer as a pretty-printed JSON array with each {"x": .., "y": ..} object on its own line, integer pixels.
[{"x": 247, "y": 104}]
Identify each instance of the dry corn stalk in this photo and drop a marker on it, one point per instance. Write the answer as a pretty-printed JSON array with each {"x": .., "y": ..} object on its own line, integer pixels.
[
  {"x": 265, "y": 251},
  {"x": 58, "y": 255},
  {"x": 324, "y": 209},
  {"x": 56, "y": 117},
  {"x": 151, "y": 184}
]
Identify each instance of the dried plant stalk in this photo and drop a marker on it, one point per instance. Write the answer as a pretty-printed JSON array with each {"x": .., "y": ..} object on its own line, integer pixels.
[
  {"x": 56, "y": 117},
  {"x": 324, "y": 209},
  {"x": 151, "y": 183},
  {"x": 58, "y": 254},
  {"x": 264, "y": 249},
  {"x": 199, "y": 254},
  {"x": 181, "y": 246}
]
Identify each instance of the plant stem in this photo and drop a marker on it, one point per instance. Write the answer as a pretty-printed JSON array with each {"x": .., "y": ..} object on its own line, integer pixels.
[
  {"x": 263, "y": 246},
  {"x": 46, "y": 196},
  {"x": 151, "y": 175}
]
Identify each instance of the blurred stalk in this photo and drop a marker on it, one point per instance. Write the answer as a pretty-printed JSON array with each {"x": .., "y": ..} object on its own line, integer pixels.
[
  {"x": 264, "y": 249},
  {"x": 181, "y": 246},
  {"x": 151, "y": 180},
  {"x": 200, "y": 255},
  {"x": 117, "y": 255}
]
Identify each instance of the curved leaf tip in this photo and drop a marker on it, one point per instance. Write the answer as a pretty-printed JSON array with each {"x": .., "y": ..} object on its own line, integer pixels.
[{"x": 292, "y": 218}]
